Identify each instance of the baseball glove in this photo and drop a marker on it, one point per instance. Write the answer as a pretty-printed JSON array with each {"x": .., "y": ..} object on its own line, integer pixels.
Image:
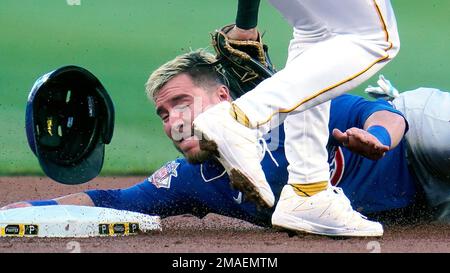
[{"x": 243, "y": 64}]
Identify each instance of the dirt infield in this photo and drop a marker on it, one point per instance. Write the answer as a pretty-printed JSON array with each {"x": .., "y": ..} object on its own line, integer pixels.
[{"x": 213, "y": 233}]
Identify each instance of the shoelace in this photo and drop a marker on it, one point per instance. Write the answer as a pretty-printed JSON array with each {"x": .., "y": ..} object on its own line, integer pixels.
[{"x": 263, "y": 149}]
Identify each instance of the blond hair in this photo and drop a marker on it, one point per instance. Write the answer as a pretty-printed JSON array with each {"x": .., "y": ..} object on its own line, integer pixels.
[{"x": 194, "y": 63}]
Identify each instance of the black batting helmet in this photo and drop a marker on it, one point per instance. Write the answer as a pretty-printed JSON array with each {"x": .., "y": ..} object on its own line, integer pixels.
[{"x": 69, "y": 119}]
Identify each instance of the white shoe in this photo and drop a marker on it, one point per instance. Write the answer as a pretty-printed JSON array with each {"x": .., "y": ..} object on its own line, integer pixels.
[
  {"x": 327, "y": 213},
  {"x": 236, "y": 148}
]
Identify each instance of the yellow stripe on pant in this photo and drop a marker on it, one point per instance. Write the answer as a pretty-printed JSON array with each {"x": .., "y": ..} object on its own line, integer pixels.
[{"x": 320, "y": 92}]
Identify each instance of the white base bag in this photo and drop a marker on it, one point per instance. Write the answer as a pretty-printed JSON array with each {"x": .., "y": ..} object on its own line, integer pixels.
[{"x": 74, "y": 221}]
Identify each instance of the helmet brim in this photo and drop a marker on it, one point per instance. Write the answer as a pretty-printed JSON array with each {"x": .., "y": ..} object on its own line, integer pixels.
[{"x": 82, "y": 172}]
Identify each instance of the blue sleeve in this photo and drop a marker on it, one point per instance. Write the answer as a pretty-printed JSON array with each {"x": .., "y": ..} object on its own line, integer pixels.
[
  {"x": 38, "y": 203},
  {"x": 349, "y": 111},
  {"x": 165, "y": 193}
]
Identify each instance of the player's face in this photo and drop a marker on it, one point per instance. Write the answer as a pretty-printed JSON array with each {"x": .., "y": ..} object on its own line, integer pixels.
[{"x": 178, "y": 103}]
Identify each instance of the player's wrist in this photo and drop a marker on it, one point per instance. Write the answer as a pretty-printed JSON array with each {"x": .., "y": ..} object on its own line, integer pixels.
[
  {"x": 247, "y": 14},
  {"x": 381, "y": 133},
  {"x": 243, "y": 34}
]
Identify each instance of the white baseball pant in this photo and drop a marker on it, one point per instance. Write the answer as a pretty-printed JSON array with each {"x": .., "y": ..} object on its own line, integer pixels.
[{"x": 336, "y": 46}]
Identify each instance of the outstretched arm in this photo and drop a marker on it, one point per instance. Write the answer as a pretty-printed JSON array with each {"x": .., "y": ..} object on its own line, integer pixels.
[
  {"x": 172, "y": 190},
  {"x": 382, "y": 131},
  {"x": 79, "y": 199}
]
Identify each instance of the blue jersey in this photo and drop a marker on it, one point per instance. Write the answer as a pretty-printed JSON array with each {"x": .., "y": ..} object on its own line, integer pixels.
[{"x": 180, "y": 187}]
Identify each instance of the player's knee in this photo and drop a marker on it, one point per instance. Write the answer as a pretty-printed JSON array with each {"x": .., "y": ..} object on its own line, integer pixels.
[{"x": 395, "y": 48}]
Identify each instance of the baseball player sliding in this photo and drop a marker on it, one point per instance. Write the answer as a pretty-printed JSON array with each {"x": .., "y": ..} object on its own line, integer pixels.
[
  {"x": 336, "y": 46},
  {"x": 187, "y": 186}
]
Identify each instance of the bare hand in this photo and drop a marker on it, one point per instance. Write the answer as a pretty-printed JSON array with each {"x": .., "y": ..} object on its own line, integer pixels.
[
  {"x": 16, "y": 205},
  {"x": 361, "y": 142},
  {"x": 242, "y": 34}
]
